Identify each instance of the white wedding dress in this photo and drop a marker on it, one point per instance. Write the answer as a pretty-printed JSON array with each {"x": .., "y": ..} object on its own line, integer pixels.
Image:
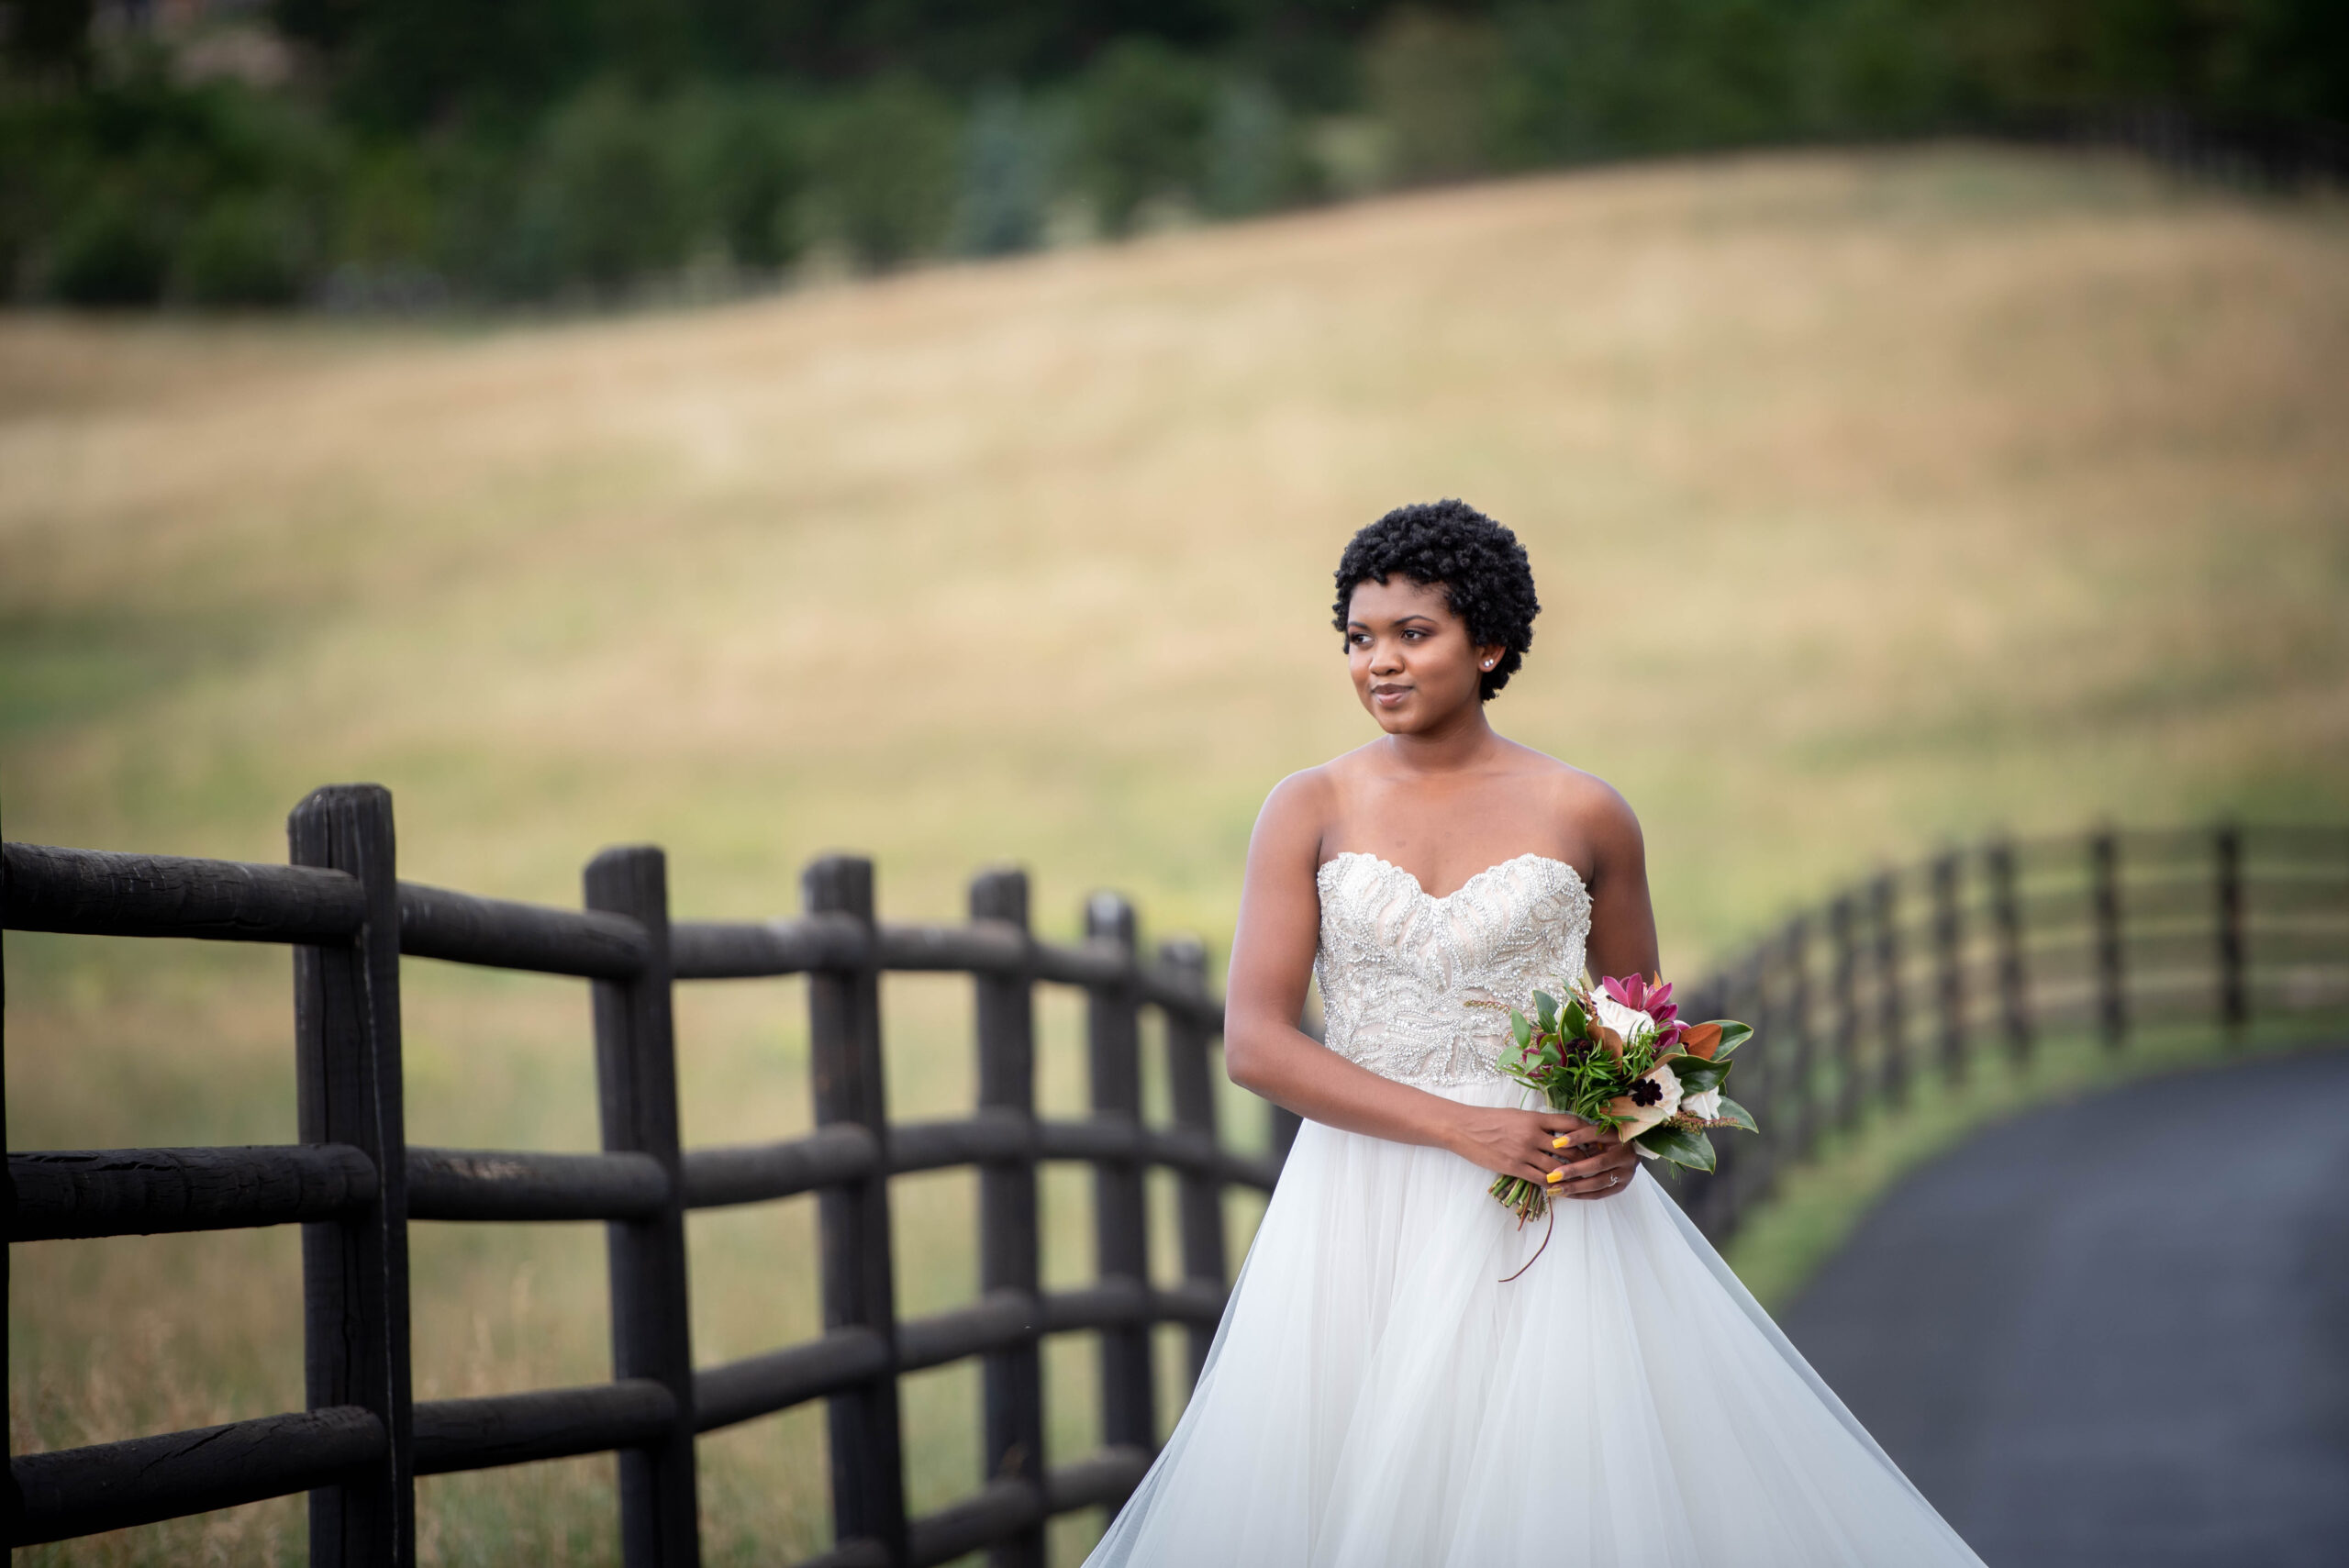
[{"x": 1376, "y": 1398}]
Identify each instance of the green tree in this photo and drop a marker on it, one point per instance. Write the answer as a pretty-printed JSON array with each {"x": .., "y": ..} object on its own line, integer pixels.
[
  {"x": 1256, "y": 160},
  {"x": 1433, "y": 82},
  {"x": 604, "y": 201},
  {"x": 110, "y": 251},
  {"x": 1007, "y": 176},
  {"x": 246, "y": 250},
  {"x": 884, "y": 171},
  {"x": 747, "y": 169},
  {"x": 1144, "y": 118}
]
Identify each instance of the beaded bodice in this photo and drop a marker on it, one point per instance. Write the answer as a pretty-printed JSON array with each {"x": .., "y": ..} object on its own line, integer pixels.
[{"x": 1417, "y": 988}]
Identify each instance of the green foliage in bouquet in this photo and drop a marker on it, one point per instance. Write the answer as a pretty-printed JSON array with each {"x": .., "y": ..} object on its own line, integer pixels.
[{"x": 1617, "y": 1056}]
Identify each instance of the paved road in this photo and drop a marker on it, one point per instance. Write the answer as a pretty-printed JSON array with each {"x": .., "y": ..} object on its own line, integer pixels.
[{"x": 2102, "y": 1336}]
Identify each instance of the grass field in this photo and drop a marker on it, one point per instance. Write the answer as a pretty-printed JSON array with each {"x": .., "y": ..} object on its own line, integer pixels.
[{"x": 1875, "y": 498}]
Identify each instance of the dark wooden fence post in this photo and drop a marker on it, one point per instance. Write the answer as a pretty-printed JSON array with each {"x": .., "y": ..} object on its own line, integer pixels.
[
  {"x": 2111, "y": 994},
  {"x": 1949, "y": 967},
  {"x": 1846, "y": 980},
  {"x": 1009, "y": 1259},
  {"x": 635, "y": 1079},
  {"x": 2014, "y": 981},
  {"x": 2234, "y": 991},
  {"x": 1751, "y": 1176},
  {"x": 354, "y": 1273},
  {"x": 1192, "y": 1083},
  {"x": 859, "y": 1287},
  {"x": 1120, "y": 1216},
  {"x": 1802, "y": 1113},
  {"x": 1891, "y": 1003}
]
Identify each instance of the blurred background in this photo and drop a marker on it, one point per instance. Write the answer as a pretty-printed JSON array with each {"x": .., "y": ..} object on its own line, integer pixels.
[
  {"x": 929, "y": 430},
  {"x": 373, "y": 154}
]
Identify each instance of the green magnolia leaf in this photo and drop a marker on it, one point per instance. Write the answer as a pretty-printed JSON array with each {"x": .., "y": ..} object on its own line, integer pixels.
[
  {"x": 1547, "y": 1006},
  {"x": 1697, "y": 1075},
  {"x": 1521, "y": 1028},
  {"x": 1681, "y": 1145},
  {"x": 1574, "y": 1021},
  {"x": 1733, "y": 1034},
  {"x": 1738, "y": 1114}
]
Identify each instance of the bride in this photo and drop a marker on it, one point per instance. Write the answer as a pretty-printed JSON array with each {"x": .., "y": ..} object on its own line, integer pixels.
[{"x": 1376, "y": 1396}]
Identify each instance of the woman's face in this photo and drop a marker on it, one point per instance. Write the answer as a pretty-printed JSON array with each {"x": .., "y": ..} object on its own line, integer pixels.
[{"x": 1412, "y": 664}]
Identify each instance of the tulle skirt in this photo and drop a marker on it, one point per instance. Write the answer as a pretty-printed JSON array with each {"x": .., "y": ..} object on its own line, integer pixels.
[{"x": 1376, "y": 1396}]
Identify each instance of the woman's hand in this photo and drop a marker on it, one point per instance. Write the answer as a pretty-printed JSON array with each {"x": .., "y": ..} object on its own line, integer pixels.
[
  {"x": 1597, "y": 1165},
  {"x": 1531, "y": 1144}
]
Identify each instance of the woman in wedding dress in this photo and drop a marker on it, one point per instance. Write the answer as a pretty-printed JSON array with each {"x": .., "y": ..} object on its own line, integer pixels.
[{"x": 1376, "y": 1398}]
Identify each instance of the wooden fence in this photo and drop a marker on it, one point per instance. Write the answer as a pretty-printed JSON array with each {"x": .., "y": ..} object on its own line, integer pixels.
[
  {"x": 1916, "y": 971},
  {"x": 354, "y": 1183},
  {"x": 1923, "y": 968}
]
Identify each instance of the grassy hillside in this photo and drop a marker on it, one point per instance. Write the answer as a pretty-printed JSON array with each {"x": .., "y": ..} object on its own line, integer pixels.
[{"x": 1874, "y": 499}]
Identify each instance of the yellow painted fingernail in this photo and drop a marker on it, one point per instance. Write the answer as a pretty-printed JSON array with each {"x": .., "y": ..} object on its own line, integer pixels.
[
  {"x": 1562, "y": 1140},
  {"x": 1555, "y": 1177}
]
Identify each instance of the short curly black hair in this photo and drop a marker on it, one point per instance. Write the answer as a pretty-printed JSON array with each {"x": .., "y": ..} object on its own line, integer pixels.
[{"x": 1486, "y": 577}]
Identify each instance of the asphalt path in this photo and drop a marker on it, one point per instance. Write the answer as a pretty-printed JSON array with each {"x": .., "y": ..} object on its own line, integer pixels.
[{"x": 2114, "y": 1333}]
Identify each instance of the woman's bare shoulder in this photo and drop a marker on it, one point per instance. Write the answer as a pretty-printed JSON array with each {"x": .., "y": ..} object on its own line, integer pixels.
[
  {"x": 1577, "y": 795},
  {"x": 1298, "y": 808},
  {"x": 1302, "y": 807}
]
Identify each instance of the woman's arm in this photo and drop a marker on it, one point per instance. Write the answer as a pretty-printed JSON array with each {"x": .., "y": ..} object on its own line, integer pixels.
[
  {"x": 1272, "y": 959},
  {"x": 1623, "y": 919}
]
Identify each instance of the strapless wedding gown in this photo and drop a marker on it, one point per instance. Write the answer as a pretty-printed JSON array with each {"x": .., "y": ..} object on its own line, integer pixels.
[{"x": 1376, "y": 1398}]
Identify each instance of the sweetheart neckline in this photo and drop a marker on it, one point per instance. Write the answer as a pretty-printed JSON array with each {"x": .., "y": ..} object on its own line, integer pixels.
[{"x": 1420, "y": 888}]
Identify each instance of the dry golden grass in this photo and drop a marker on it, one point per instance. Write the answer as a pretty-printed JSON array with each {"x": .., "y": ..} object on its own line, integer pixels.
[{"x": 1875, "y": 497}]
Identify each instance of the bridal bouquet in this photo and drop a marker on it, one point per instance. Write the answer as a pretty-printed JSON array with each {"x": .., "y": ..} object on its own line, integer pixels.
[{"x": 1617, "y": 1056}]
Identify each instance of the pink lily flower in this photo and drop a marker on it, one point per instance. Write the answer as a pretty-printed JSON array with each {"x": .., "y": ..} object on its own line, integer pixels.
[{"x": 1638, "y": 993}]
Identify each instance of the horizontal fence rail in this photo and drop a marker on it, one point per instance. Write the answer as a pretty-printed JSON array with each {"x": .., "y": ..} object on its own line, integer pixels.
[
  {"x": 1921, "y": 970},
  {"x": 355, "y": 1184},
  {"x": 1914, "y": 973}
]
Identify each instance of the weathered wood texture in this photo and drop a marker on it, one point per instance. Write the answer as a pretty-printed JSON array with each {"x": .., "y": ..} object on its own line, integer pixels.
[
  {"x": 349, "y": 1088},
  {"x": 355, "y": 1186},
  {"x": 859, "y": 1286},
  {"x": 1010, "y": 1255},
  {"x": 548, "y": 1423},
  {"x": 81, "y": 1491},
  {"x": 1121, "y": 1233},
  {"x": 756, "y": 1172},
  {"x": 2058, "y": 936},
  {"x": 499, "y": 1184},
  {"x": 2095, "y": 933},
  {"x": 143, "y": 1191},
  {"x": 1191, "y": 1084},
  {"x": 501, "y": 934},
  {"x": 709, "y": 950},
  {"x": 776, "y": 1380},
  {"x": 636, "y": 1075},
  {"x": 50, "y": 889}
]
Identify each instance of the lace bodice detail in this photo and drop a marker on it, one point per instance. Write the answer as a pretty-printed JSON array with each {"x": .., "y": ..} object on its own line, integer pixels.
[{"x": 1406, "y": 978}]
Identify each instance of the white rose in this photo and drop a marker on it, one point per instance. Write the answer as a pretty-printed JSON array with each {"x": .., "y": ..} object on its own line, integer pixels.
[
  {"x": 1705, "y": 1107},
  {"x": 1629, "y": 1022}
]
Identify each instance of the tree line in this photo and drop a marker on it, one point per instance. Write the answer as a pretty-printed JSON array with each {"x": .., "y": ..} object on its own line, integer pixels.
[{"x": 392, "y": 152}]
